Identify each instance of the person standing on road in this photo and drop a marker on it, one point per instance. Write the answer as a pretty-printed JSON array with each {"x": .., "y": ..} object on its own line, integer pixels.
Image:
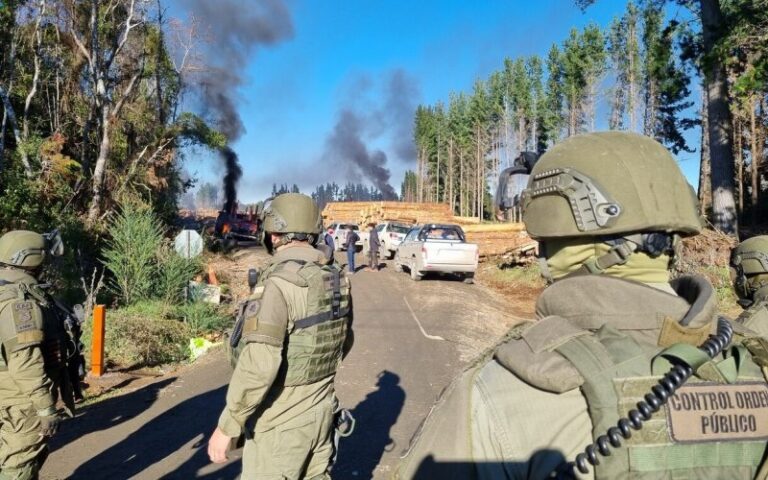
[
  {"x": 749, "y": 271},
  {"x": 328, "y": 239},
  {"x": 28, "y": 415},
  {"x": 373, "y": 248},
  {"x": 609, "y": 210},
  {"x": 296, "y": 328},
  {"x": 351, "y": 246}
]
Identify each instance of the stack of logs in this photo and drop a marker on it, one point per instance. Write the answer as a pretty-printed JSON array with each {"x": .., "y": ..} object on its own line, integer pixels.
[{"x": 493, "y": 239}]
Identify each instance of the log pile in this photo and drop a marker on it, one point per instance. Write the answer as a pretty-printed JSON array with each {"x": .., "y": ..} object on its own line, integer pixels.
[
  {"x": 364, "y": 213},
  {"x": 495, "y": 239}
]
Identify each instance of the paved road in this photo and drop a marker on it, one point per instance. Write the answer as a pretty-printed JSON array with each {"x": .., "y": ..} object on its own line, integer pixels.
[{"x": 411, "y": 339}]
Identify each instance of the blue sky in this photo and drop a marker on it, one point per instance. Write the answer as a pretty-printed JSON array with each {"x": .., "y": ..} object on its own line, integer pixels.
[{"x": 342, "y": 53}]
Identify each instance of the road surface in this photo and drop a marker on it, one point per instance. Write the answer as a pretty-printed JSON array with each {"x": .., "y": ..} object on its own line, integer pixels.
[{"x": 412, "y": 338}]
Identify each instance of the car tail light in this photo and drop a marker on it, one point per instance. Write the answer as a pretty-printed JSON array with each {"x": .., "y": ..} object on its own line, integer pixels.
[
  {"x": 393, "y": 235},
  {"x": 424, "y": 251}
]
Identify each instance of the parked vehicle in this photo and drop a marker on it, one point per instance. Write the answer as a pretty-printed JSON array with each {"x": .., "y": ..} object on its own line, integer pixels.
[
  {"x": 391, "y": 235},
  {"x": 437, "y": 248},
  {"x": 340, "y": 230}
]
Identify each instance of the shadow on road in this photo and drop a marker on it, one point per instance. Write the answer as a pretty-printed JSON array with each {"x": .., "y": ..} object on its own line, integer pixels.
[
  {"x": 160, "y": 437},
  {"x": 108, "y": 413},
  {"x": 360, "y": 453}
]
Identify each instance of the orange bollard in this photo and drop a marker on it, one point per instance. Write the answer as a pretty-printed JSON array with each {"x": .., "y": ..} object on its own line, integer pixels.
[{"x": 97, "y": 344}]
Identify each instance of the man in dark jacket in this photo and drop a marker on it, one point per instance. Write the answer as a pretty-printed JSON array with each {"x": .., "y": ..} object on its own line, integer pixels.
[
  {"x": 373, "y": 248},
  {"x": 328, "y": 239},
  {"x": 351, "y": 246}
]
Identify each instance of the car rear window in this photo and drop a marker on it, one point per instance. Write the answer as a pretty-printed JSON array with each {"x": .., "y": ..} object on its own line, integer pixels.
[
  {"x": 398, "y": 228},
  {"x": 441, "y": 233}
]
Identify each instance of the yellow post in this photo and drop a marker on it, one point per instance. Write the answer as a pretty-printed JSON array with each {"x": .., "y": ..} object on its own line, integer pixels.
[{"x": 97, "y": 345}]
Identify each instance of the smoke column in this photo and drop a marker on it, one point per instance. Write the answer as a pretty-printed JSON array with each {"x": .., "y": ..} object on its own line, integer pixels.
[
  {"x": 345, "y": 143},
  {"x": 234, "y": 172},
  {"x": 237, "y": 29}
]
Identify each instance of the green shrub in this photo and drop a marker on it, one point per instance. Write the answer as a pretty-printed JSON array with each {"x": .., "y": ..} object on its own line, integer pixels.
[
  {"x": 202, "y": 318},
  {"x": 131, "y": 252},
  {"x": 145, "y": 334},
  {"x": 173, "y": 274}
]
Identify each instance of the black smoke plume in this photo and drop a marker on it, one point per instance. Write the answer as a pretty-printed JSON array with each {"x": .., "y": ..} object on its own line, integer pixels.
[
  {"x": 236, "y": 30},
  {"x": 234, "y": 172},
  {"x": 346, "y": 143}
]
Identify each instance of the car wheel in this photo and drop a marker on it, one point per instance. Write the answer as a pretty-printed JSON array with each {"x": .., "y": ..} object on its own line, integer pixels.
[
  {"x": 391, "y": 255},
  {"x": 415, "y": 275}
]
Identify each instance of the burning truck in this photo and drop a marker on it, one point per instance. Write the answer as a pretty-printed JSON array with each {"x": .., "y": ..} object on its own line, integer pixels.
[{"x": 239, "y": 226}]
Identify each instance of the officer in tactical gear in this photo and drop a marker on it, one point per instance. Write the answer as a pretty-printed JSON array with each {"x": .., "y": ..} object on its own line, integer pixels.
[
  {"x": 749, "y": 272},
  {"x": 609, "y": 210},
  {"x": 29, "y": 355},
  {"x": 296, "y": 328}
]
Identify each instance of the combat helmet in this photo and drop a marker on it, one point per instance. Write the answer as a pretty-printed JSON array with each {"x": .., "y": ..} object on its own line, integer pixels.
[
  {"x": 749, "y": 266},
  {"x": 622, "y": 188},
  {"x": 27, "y": 250},
  {"x": 294, "y": 216}
]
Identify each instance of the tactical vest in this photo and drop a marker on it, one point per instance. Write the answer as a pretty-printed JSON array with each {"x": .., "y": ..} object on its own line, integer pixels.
[
  {"x": 711, "y": 429},
  {"x": 756, "y": 317},
  {"x": 319, "y": 307}
]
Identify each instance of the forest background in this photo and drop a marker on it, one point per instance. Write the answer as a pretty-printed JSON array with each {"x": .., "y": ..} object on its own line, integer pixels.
[{"x": 101, "y": 100}]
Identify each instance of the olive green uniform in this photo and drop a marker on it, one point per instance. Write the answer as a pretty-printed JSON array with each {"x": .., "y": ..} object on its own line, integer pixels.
[
  {"x": 755, "y": 317},
  {"x": 520, "y": 413},
  {"x": 25, "y": 390},
  {"x": 287, "y": 422}
]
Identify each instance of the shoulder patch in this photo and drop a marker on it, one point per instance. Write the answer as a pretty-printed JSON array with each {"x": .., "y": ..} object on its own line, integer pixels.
[
  {"x": 23, "y": 316},
  {"x": 27, "y": 323}
]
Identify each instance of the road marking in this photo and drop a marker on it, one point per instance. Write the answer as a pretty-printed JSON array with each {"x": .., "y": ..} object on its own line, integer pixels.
[{"x": 431, "y": 337}]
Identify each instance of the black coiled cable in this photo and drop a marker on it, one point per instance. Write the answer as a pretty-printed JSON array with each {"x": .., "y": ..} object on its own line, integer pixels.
[{"x": 651, "y": 403}]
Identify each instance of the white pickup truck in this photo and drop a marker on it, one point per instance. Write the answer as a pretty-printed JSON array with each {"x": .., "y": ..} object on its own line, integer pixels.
[
  {"x": 340, "y": 230},
  {"x": 391, "y": 235},
  {"x": 437, "y": 248}
]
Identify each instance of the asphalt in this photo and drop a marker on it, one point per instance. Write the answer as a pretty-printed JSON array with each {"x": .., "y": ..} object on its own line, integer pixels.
[{"x": 411, "y": 339}]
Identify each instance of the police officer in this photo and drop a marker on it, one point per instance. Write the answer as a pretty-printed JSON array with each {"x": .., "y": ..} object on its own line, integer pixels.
[
  {"x": 608, "y": 210},
  {"x": 749, "y": 271},
  {"x": 296, "y": 330},
  {"x": 28, "y": 416}
]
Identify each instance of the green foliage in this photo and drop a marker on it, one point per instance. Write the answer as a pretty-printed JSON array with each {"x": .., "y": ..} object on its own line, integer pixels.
[
  {"x": 145, "y": 334},
  {"x": 203, "y": 318},
  {"x": 131, "y": 252},
  {"x": 173, "y": 274}
]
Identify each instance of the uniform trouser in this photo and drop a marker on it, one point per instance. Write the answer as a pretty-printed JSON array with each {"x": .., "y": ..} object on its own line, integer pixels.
[
  {"x": 351, "y": 259},
  {"x": 373, "y": 258},
  {"x": 301, "y": 448},
  {"x": 22, "y": 449}
]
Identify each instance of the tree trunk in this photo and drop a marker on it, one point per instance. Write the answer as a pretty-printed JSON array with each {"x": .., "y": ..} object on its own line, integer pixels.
[
  {"x": 720, "y": 144},
  {"x": 632, "y": 39},
  {"x": 705, "y": 170},
  {"x": 755, "y": 164},
  {"x": 738, "y": 127},
  {"x": 437, "y": 182},
  {"x": 451, "y": 198},
  {"x": 99, "y": 171},
  {"x": 15, "y": 127}
]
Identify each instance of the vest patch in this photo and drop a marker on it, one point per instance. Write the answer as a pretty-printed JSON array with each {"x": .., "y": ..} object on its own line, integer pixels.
[
  {"x": 23, "y": 318},
  {"x": 707, "y": 412}
]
